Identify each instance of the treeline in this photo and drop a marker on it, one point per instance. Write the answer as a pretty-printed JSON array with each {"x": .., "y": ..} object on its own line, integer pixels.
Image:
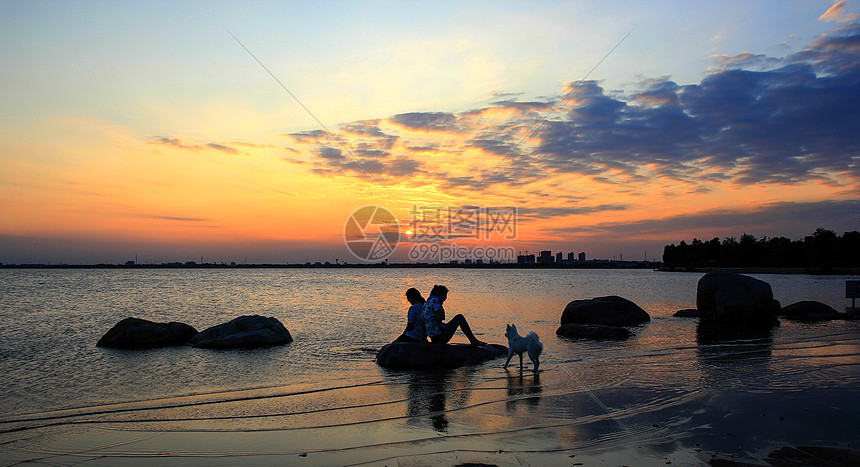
[{"x": 822, "y": 249}]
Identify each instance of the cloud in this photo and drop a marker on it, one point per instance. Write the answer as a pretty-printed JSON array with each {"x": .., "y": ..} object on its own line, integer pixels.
[
  {"x": 171, "y": 218},
  {"x": 837, "y": 13},
  {"x": 177, "y": 143},
  {"x": 745, "y": 60},
  {"x": 564, "y": 211},
  {"x": 784, "y": 218},
  {"x": 752, "y": 119}
]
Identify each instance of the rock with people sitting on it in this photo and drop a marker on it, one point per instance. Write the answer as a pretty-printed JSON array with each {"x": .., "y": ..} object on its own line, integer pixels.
[
  {"x": 244, "y": 332},
  {"x": 687, "y": 313},
  {"x": 725, "y": 297},
  {"x": 429, "y": 356},
  {"x": 593, "y": 331},
  {"x": 136, "y": 333},
  {"x": 606, "y": 311},
  {"x": 811, "y": 311}
]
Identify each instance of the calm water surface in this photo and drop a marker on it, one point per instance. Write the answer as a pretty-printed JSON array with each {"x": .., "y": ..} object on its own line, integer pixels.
[{"x": 667, "y": 394}]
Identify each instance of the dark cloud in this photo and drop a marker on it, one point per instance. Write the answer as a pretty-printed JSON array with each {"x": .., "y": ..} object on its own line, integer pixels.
[
  {"x": 427, "y": 121},
  {"x": 791, "y": 124},
  {"x": 331, "y": 154},
  {"x": 398, "y": 167}
]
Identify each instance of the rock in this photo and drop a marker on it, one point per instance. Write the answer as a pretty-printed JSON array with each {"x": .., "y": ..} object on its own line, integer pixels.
[
  {"x": 136, "y": 333},
  {"x": 724, "y": 297},
  {"x": 687, "y": 313},
  {"x": 812, "y": 311},
  {"x": 607, "y": 311},
  {"x": 244, "y": 332},
  {"x": 593, "y": 331},
  {"x": 429, "y": 356}
]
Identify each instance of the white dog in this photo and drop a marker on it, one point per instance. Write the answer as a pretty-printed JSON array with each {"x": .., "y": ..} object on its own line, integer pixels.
[{"x": 518, "y": 344}]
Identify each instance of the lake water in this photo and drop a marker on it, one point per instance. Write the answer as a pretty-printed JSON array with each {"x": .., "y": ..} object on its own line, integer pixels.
[{"x": 665, "y": 395}]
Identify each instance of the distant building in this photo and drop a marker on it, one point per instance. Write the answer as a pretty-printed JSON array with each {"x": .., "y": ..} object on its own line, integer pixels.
[
  {"x": 129, "y": 263},
  {"x": 582, "y": 256},
  {"x": 558, "y": 258},
  {"x": 570, "y": 257},
  {"x": 526, "y": 259},
  {"x": 545, "y": 257}
]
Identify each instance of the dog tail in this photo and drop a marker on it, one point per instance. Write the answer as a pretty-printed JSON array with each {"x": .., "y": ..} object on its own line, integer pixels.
[{"x": 534, "y": 336}]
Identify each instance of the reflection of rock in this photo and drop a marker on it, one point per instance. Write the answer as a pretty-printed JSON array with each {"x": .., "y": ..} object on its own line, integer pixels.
[
  {"x": 687, "y": 313},
  {"x": 429, "y": 356},
  {"x": 607, "y": 311},
  {"x": 722, "y": 346},
  {"x": 724, "y": 297},
  {"x": 136, "y": 333},
  {"x": 593, "y": 331},
  {"x": 242, "y": 333},
  {"x": 812, "y": 311}
]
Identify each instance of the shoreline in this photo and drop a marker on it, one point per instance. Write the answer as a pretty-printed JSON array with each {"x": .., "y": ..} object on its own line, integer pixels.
[{"x": 596, "y": 264}]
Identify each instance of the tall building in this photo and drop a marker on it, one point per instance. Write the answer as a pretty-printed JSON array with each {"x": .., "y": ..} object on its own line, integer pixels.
[
  {"x": 582, "y": 256},
  {"x": 545, "y": 257},
  {"x": 558, "y": 258},
  {"x": 570, "y": 257}
]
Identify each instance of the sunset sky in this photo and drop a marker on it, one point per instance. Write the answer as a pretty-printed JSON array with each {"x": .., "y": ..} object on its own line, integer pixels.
[{"x": 144, "y": 128}]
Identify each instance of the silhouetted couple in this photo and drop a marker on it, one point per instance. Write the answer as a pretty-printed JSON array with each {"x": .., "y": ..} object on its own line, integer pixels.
[{"x": 426, "y": 318}]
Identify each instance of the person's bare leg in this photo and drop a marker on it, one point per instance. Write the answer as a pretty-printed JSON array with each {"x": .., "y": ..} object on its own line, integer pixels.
[{"x": 459, "y": 321}]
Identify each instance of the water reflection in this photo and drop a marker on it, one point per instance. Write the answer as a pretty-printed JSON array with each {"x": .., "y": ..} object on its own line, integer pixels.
[
  {"x": 519, "y": 386},
  {"x": 432, "y": 394},
  {"x": 734, "y": 352}
]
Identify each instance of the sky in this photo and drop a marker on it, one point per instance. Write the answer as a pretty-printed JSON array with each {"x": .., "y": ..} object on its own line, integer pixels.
[{"x": 253, "y": 132}]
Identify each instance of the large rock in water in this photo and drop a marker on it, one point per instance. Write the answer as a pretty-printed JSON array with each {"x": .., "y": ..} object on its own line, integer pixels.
[
  {"x": 811, "y": 311},
  {"x": 429, "y": 356},
  {"x": 244, "y": 332},
  {"x": 136, "y": 333},
  {"x": 724, "y": 297},
  {"x": 606, "y": 311},
  {"x": 593, "y": 331}
]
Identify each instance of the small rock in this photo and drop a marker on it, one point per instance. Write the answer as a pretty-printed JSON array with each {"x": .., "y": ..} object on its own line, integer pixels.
[
  {"x": 244, "y": 332},
  {"x": 607, "y": 311},
  {"x": 687, "y": 313},
  {"x": 136, "y": 333},
  {"x": 811, "y": 311}
]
